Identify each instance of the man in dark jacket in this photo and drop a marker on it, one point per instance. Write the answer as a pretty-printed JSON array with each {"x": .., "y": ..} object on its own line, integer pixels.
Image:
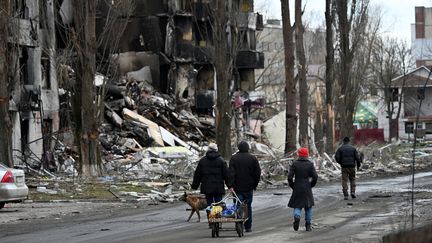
[
  {"x": 211, "y": 173},
  {"x": 245, "y": 174},
  {"x": 348, "y": 157},
  {"x": 305, "y": 178}
]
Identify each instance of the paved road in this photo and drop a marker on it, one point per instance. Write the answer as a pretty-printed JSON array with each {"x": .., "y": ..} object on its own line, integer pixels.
[{"x": 381, "y": 208}]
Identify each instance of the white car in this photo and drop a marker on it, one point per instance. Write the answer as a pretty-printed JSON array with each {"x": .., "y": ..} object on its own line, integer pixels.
[{"x": 12, "y": 185}]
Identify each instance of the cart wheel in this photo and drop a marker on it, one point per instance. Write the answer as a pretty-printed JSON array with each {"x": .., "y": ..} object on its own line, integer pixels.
[
  {"x": 239, "y": 229},
  {"x": 213, "y": 230},
  {"x": 217, "y": 229}
]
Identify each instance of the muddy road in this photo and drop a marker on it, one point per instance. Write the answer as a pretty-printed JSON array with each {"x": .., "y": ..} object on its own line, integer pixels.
[{"x": 382, "y": 206}]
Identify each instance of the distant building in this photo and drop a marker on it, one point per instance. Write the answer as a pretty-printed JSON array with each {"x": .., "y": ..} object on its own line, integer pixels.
[
  {"x": 421, "y": 36},
  {"x": 271, "y": 79},
  {"x": 175, "y": 38},
  {"x": 34, "y": 104},
  {"x": 411, "y": 86}
]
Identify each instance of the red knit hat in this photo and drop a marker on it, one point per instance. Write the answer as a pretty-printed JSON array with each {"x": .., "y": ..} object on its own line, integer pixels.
[{"x": 303, "y": 152}]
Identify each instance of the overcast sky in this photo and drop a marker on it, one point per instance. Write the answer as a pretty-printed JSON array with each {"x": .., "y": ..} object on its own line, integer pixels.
[{"x": 398, "y": 15}]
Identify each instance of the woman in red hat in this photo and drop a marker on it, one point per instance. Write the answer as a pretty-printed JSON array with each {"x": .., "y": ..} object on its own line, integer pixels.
[{"x": 301, "y": 178}]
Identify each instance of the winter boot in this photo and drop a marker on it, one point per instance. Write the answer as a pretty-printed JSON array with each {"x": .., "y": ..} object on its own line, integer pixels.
[
  {"x": 353, "y": 195},
  {"x": 345, "y": 193},
  {"x": 296, "y": 223},
  {"x": 308, "y": 227}
]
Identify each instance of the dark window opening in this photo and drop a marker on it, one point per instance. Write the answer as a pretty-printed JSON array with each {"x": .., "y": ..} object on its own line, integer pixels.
[
  {"x": 394, "y": 94},
  {"x": 409, "y": 127},
  {"x": 203, "y": 34},
  {"x": 21, "y": 9},
  {"x": 420, "y": 93},
  {"x": 46, "y": 70},
  {"x": 43, "y": 19},
  {"x": 46, "y": 133},
  {"x": 429, "y": 128},
  {"x": 23, "y": 67}
]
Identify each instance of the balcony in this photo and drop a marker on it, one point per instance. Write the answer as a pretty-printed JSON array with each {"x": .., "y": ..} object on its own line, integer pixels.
[
  {"x": 252, "y": 21},
  {"x": 250, "y": 59}
]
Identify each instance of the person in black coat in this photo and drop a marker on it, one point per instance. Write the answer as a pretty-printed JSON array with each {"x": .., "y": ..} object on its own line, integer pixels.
[
  {"x": 348, "y": 157},
  {"x": 301, "y": 178},
  {"x": 211, "y": 173},
  {"x": 245, "y": 173}
]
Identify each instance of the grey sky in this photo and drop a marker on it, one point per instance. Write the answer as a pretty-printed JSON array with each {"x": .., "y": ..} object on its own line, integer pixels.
[{"x": 398, "y": 15}]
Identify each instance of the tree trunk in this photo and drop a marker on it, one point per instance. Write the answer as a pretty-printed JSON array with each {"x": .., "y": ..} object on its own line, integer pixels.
[
  {"x": 85, "y": 116},
  {"x": 290, "y": 82},
  {"x": 223, "y": 102},
  {"x": 345, "y": 110},
  {"x": 304, "y": 116},
  {"x": 5, "y": 120},
  {"x": 329, "y": 16}
]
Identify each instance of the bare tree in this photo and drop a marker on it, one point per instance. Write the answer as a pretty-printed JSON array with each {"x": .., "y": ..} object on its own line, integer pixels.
[
  {"x": 290, "y": 81},
  {"x": 223, "y": 62},
  {"x": 5, "y": 120},
  {"x": 329, "y": 77},
  {"x": 84, "y": 46},
  {"x": 390, "y": 58},
  {"x": 301, "y": 67},
  {"x": 351, "y": 31}
]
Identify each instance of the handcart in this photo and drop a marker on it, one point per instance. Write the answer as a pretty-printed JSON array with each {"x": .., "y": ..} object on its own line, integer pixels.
[{"x": 226, "y": 212}]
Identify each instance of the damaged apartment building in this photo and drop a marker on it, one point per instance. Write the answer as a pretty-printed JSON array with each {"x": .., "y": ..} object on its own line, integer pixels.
[
  {"x": 173, "y": 40},
  {"x": 33, "y": 102}
]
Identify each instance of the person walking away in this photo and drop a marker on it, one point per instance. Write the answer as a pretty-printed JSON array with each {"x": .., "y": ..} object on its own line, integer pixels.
[
  {"x": 348, "y": 158},
  {"x": 211, "y": 173},
  {"x": 245, "y": 173},
  {"x": 301, "y": 178}
]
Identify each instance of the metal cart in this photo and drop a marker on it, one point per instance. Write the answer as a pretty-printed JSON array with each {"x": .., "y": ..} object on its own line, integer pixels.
[{"x": 239, "y": 218}]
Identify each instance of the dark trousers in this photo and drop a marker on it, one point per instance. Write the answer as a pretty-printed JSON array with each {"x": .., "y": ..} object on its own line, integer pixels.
[
  {"x": 246, "y": 197},
  {"x": 348, "y": 174},
  {"x": 213, "y": 198}
]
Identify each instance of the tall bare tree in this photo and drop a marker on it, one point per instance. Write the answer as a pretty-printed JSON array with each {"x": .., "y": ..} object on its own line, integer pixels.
[
  {"x": 223, "y": 64},
  {"x": 329, "y": 76},
  {"x": 84, "y": 45},
  {"x": 5, "y": 119},
  {"x": 301, "y": 67},
  {"x": 290, "y": 81},
  {"x": 390, "y": 58},
  {"x": 351, "y": 31}
]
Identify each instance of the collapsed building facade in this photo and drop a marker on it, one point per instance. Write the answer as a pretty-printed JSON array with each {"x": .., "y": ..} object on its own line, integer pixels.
[
  {"x": 167, "y": 43},
  {"x": 34, "y": 106},
  {"x": 173, "y": 40}
]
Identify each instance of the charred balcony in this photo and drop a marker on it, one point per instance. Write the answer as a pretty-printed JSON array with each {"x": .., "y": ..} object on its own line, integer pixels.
[{"x": 250, "y": 59}]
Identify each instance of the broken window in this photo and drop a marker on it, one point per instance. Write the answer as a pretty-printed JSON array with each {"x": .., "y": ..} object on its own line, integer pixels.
[
  {"x": 428, "y": 127},
  {"x": 21, "y": 9},
  {"x": 409, "y": 127},
  {"x": 203, "y": 34},
  {"x": 394, "y": 94},
  {"x": 23, "y": 68},
  {"x": 46, "y": 133},
  {"x": 420, "y": 93},
  {"x": 43, "y": 19},
  {"x": 46, "y": 68}
]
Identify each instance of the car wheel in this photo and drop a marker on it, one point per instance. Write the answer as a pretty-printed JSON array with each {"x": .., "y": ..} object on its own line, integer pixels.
[{"x": 2, "y": 205}]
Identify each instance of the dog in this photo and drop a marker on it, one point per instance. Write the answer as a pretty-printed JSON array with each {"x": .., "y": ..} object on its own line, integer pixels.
[{"x": 196, "y": 201}]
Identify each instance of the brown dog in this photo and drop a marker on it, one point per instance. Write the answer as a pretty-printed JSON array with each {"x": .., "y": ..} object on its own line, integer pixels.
[{"x": 196, "y": 201}]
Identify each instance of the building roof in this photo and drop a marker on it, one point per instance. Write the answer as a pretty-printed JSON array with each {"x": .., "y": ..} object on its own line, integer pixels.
[{"x": 414, "y": 78}]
